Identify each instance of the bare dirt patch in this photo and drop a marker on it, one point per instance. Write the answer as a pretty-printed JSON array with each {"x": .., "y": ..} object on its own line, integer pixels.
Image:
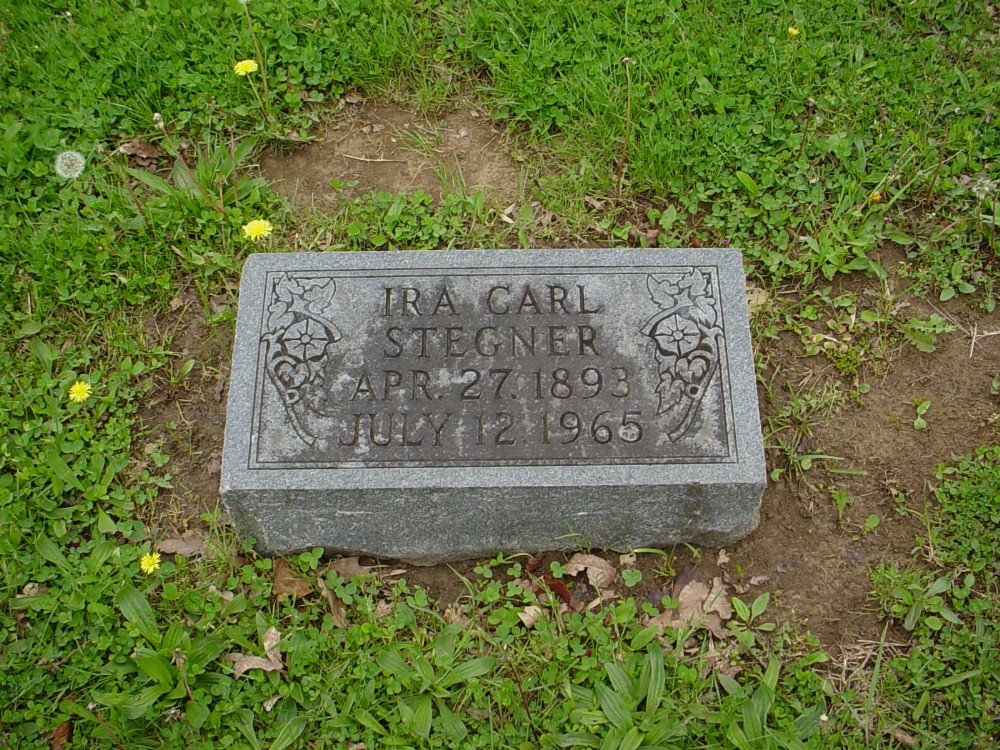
[
  {"x": 185, "y": 418},
  {"x": 384, "y": 147}
]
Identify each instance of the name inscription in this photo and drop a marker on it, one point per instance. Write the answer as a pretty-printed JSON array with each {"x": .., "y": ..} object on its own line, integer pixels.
[{"x": 472, "y": 367}]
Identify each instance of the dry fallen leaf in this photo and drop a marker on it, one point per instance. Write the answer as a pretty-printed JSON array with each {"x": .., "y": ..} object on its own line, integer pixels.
[
  {"x": 60, "y": 735},
  {"x": 756, "y": 297},
  {"x": 723, "y": 558},
  {"x": 271, "y": 663},
  {"x": 141, "y": 149},
  {"x": 189, "y": 544},
  {"x": 558, "y": 588},
  {"x": 269, "y": 703},
  {"x": 227, "y": 596},
  {"x": 725, "y": 660},
  {"x": 904, "y": 738},
  {"x": 455, "y": 613},
  {"x": 698, "y": 606},
  {"x": 627, "y": 561},
  {"x": 34, "y": 589},
  {"x": 718, "y": 601},
  {"x": 287, "y": 583},
  {"x": 534, "y": 563},
  {"x": 600, "y": 572},
  {"x": 530, "y": 615},
  {"x": 346, "y": 567},
  {"x": 337, "y": 609},
  {"x": 383, "y": 609}
]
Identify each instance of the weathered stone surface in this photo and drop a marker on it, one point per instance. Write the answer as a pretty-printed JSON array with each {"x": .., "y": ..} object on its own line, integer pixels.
[{"x": 437, "y": 405}]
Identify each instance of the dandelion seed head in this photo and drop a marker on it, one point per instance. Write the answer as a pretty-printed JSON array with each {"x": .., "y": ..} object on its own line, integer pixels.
[{"x": 69, "y": 164}]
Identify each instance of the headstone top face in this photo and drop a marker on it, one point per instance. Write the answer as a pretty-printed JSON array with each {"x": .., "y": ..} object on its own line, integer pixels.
[{"x": 489, "y": 370}]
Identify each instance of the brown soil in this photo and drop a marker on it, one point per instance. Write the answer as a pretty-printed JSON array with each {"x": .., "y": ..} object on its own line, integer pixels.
[
  {"x": 372, "y": 147},
  {"x": 815, "y": 566}
]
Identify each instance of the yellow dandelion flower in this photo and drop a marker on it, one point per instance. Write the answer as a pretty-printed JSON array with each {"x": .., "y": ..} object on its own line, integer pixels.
[
  {"x": 792, "y": 31},
  {"x": 875, "y": 197},
  {"x": 80, "y": 391},
  {"x": 243, "y": 67},
  {"x": 150, "y": 562},
  {"x": 257, "y": 230}
]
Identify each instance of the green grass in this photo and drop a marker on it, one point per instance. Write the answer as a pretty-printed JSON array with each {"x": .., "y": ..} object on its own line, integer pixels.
[
  {"x": 727, "y": 148},
  {"x": 945, "y": 688}
]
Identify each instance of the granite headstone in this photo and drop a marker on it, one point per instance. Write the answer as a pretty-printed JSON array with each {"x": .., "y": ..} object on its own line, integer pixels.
[{"x": 429, "y": 406}]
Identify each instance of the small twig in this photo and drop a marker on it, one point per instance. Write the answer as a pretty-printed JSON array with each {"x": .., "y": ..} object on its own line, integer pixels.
[
  {"x": 382, "y": 161},
  {"x": 976, "y": 336}
]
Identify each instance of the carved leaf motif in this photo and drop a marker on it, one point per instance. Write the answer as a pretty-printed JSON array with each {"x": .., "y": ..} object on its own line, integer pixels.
[
  {"x": 298, "y": 336},
  {"x": 662, "y": 291},
  {"x": 703, "y": 311}
]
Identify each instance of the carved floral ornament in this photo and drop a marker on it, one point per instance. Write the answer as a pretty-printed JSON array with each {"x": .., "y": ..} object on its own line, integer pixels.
[
  {"x": 688, "y": 340},
  {"x": 298, "y": 335}
]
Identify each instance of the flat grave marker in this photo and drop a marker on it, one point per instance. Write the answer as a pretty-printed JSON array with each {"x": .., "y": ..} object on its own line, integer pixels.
[{"x": 437, "y": 405}]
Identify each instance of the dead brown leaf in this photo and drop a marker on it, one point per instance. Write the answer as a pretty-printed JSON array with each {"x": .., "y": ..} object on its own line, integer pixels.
[
  {"x": 34, "y": 589},
  {"x": 600, "y": 573},
  {"x": 337, "y": 609},
  {"x": 681, "y": 580},
  {"x": 904, "y": 738},
  {"x": 533, "y": 564},
  {"x": 558, "y": 588},
  {"x": 272, "y": 662},
  {"x": 530, "y": 615},
  {"x": 718, "y": 600},
  {"x": 383, "y": 609},
  {"x": 189, "y": 544},
  {"x": 722, "y": 559},
  {"x": 60, "y": 735},
  {"x": 698, "y": 606},
  {"x": 287, "y": 583},
  {"x": 269, "y": 703},
  {"x": 725, "y": 660},
  {"x": 347, "y": 567},
  {"x": 141, "y": 149},
  {"x": 455, "y": 613},
  {"x": 227, "y": 596}
]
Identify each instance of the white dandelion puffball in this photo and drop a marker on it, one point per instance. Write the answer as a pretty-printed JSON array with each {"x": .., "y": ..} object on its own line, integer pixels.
[{"x": 70, "y": 164}]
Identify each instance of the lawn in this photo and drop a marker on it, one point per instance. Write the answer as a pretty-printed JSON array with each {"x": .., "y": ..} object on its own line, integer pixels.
[{"x": 848, "y": 148}]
